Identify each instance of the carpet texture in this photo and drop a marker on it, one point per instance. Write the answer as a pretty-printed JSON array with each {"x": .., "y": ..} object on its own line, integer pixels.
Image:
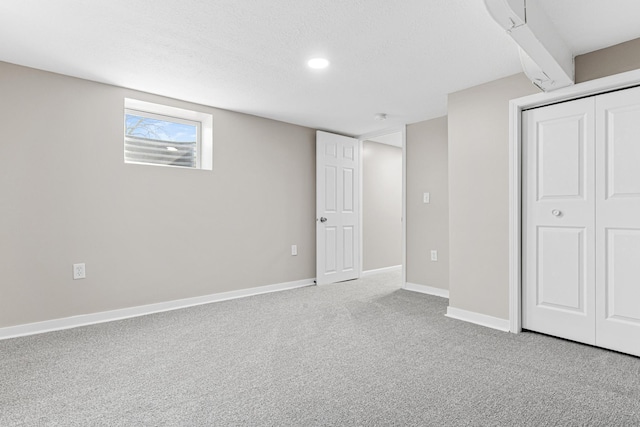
[{"x": 356, "y": 353}]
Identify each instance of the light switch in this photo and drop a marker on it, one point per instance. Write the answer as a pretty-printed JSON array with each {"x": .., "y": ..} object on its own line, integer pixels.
[{"x": 426, "y": 197}]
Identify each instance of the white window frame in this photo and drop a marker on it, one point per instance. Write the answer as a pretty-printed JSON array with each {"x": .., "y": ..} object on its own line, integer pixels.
[{"x": 203, "y": 122}]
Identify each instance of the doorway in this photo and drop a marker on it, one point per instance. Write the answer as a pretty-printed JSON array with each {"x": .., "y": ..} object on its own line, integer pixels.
[
  {"x": 382, "y": 203},
  {"x": 330, "y": 148}
]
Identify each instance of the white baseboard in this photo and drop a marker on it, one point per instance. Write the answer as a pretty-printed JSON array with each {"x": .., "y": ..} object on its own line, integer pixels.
[
  {"x": 478, "y": 319},
  {"x": 424, "y": 289},
  {"x": 381, "y": 270},
  {"x": 124, "y": 313}
]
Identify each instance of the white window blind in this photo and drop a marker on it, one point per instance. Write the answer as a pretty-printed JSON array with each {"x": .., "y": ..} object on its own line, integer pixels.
[
  {"x": 154, "y": 139},
  {"x": 146, "y": 150}
]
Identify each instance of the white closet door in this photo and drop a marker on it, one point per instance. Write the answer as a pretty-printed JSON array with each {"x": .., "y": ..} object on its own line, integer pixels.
[
  {"x": 618, "y": 220},
  {"x": 558, "y": 220}
]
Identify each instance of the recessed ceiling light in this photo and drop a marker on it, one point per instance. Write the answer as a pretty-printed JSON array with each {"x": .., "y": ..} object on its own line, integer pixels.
[
  {"x": 318, "y": 63},
  {"x": 381, "y": 117}
]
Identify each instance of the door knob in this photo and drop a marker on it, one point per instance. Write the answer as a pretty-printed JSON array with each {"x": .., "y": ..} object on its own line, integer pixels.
[
  {"x": 556, "y": 212},
  {"x": 323, "y": 219}
]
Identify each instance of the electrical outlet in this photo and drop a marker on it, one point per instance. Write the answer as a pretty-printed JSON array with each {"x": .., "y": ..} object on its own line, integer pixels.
[
  {"x": 426, "y": 198},
  {"x": 294, "y": 250},
  {"x": 79, "y": 271},
  {"x": 434, "y": 255}
]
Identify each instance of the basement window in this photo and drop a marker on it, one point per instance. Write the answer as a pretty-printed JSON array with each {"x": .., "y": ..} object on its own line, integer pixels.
[{"x": 160, "y": 135}]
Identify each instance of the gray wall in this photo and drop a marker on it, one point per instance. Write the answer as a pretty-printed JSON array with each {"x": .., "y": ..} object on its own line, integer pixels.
[
  {"x": 382, "y": 205},
  {"x": 478, "y": 179},
  {"x": 147, "y": 234},
  {"x": 611, "y": 60},
  {"x": 427, "y": 224},
  {"x": 151, "y": 234},
  {"x": 478, "y": 195}
]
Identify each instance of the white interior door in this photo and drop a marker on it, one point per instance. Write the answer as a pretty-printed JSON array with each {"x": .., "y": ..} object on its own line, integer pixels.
[
  {"x": 337, "y": 208},
  {"x": 559, "y": 220},
  {"x": 618, "y": 221}
]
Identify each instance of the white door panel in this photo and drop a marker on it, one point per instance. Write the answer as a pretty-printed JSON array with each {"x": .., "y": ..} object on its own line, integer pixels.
[
  {"x": 348, "y": 241},
  {"x": 331, "y": 250},
  {"x": 337, "y": 206},
  {"x": 560, "y": 157},
  {"x": 558, "y": 220},
  {"x": 561, "y": 260},
  {"x": 618, "y": 220},
  {"x": 331, "y": 189},
  {"x": 622, "y": 270}
]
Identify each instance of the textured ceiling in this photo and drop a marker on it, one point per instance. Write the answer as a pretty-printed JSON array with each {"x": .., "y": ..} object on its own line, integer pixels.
[
  {"x": 401, "y": 58},
  {"x": 588, "y": 25}
]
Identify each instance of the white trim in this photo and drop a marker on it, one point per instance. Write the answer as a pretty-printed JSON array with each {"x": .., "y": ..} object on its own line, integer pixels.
[
  {"x": 393, "y": 139},
  {"x": 142, "y": 310},
  {"x": 424, "y": 289},
  {"x": 515, "y": 231},
  {"x": 404, "y": 204},
  {"x": 361, "y": 201},
  {"x": 478, "y": 319},
  {"x": 381, "y": 270},
  {"x": 516, "y": 106},
  {"x": 368, "y": 136}
]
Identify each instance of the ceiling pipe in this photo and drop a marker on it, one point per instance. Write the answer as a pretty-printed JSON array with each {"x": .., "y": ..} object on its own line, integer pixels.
[{"x": 545, "y": 57}]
